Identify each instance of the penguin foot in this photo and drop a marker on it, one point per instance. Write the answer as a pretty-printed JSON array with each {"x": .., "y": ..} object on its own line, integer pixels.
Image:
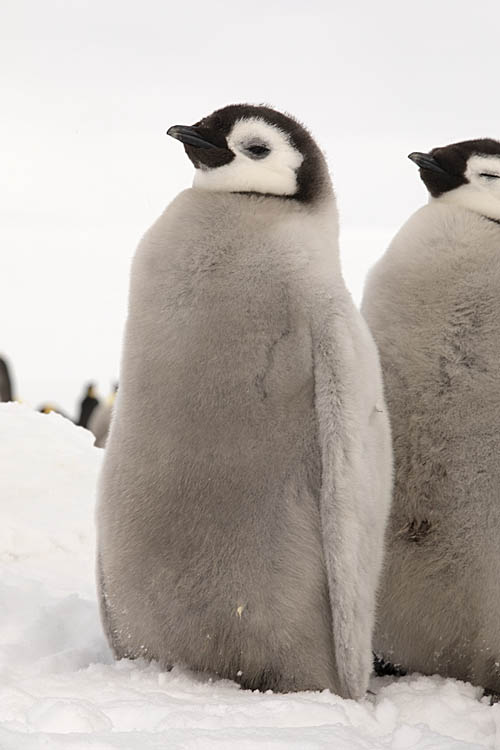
[
  {"x": 492, "y": 694},
  {"x": 383, "y": 668},
  {"x": 267, "y": 679}
]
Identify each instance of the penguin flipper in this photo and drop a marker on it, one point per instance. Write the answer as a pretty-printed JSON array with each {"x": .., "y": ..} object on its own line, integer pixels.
[{"x": 353, "y": 510}]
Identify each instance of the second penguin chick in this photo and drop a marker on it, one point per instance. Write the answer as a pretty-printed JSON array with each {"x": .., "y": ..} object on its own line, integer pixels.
[
  {"x": 433, "y": 304},
  {"x": 247, "y": 475}
]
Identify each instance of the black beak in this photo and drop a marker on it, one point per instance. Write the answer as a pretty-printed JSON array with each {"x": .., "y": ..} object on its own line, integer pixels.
[
  {"x": 191, "y": 136},
  {"x": 426, "y": 161}
]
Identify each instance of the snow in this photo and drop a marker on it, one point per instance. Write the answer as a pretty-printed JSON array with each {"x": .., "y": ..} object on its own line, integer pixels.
[{"x": 61, "y": 689}]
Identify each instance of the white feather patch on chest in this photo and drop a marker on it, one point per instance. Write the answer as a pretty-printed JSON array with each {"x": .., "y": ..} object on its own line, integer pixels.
[{"x": 275, "y": 174}]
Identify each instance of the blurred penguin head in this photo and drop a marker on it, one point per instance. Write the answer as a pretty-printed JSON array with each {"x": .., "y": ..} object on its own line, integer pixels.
[
  {"x": 254, "y": 149},
  {"x": 90, "y": 390},
  {"x": 466, "y": 174}
]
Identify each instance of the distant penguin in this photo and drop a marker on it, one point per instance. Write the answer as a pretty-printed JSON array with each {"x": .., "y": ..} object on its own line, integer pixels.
[
  {"x": 87, "y": 406},
  {"x": 433, "y": 305},
  {"x": 100, "y": 419},
  {"x": 48, "y": 408},
  {"x": 247, "y": 475},
  {"x": 5, "y": 382}
]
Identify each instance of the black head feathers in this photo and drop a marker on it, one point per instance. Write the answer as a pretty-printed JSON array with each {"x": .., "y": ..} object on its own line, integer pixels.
[
  {"x": 209, "y": 145},
  {"x": 444, "y": 168}
]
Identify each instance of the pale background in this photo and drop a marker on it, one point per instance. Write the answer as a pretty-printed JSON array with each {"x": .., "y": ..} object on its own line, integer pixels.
[{"x": 88, "y": 90}]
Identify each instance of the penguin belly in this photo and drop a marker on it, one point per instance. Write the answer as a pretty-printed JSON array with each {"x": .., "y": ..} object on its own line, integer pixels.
[
  {"x": 209, "y": 545},
  {"x": 439, "y": 604},
  {"x": 222, "y": 568}
]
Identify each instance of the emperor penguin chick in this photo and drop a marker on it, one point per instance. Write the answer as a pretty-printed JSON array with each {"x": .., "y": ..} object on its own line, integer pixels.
[
  {"x": 247, "y": 475},
  {"x": 433, "y": 305}
]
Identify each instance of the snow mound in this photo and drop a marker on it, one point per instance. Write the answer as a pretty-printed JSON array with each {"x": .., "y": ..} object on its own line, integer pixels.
[{"x": 61, "y": 689}]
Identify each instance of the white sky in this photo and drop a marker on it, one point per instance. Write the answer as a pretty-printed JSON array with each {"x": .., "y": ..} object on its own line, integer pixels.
[{"x": 88, "y": 90}]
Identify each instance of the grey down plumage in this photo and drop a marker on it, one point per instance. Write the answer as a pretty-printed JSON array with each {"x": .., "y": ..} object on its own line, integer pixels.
[
  {"x": 433, "y": 305},
  {"x": 246, "y": 480}
]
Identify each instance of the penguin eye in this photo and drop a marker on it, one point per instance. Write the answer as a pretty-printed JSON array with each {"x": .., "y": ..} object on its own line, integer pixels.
[
  {"x": 257, "y": 150},
  {"x": 489, "y": 176}
]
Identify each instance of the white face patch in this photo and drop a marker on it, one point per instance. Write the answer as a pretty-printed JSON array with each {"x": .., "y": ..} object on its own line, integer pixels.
[
  {"x": 482, "y": 193},
  {"x": 273, "y": 171}
]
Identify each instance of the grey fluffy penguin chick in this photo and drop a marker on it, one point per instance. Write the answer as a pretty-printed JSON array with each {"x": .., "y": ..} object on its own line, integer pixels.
[
  {"x": 433, "y": 305},
  {"x": 247, "y": 475}
]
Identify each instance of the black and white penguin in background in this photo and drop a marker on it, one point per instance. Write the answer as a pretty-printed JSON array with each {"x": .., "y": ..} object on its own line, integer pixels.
[
  {"x": 6, "y": 390},
  {"x": 433, "y": 304},
  {"x": 87, "y": 406},
  {"x": 247, "y": 475}
]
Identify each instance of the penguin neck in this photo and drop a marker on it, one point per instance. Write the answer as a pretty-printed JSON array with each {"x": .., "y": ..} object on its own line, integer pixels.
[
  {"x": 469, "y": 197},
  {"x": 322, "y": 206},
  {"x": 317, "y": 220}
]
